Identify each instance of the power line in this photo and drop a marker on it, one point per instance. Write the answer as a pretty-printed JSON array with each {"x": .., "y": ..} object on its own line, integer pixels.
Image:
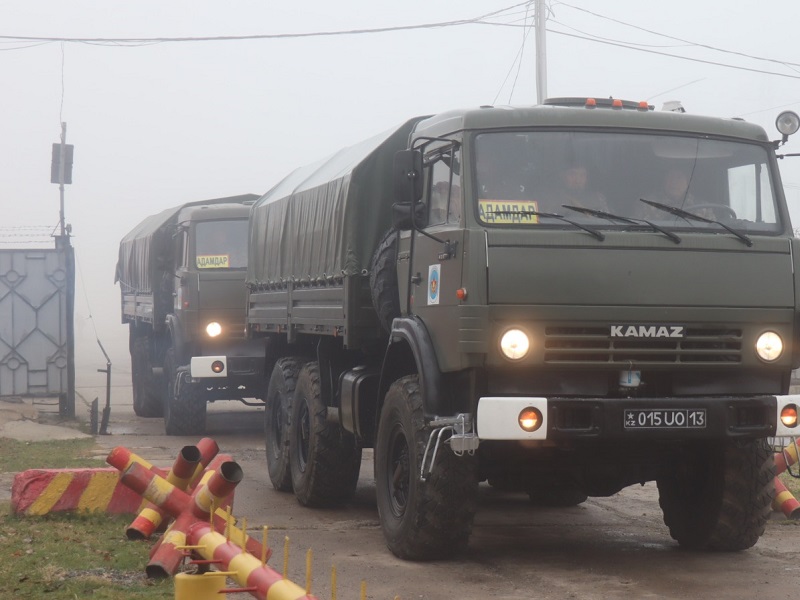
[
  {"x": 261, "y": 36},
  {"x": 677, "y": 39},
  {"x": 629, "y": 47}
]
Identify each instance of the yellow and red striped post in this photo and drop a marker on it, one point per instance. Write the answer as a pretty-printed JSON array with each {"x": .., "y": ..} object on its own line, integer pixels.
[
  {"x": 786, "y": 458},
  {"x": 259, "y": 580},
  {"x": 214, "y": 490},
  {"x": 785, "y": 502},
  {"x": 150, "y": 517}
]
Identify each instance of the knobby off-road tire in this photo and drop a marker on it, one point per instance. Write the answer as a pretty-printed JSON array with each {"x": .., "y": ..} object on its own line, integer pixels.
[
  {"x": 277, "y": 414},
  {"x": 147, "y": 401},
  {"x": 720, "y": 498},
  {"x": 324, "y": 459},
  {"x": 383, "y": 280},
  {"x": 184, "y": 406},
  {"x": 421, "y": 520}
]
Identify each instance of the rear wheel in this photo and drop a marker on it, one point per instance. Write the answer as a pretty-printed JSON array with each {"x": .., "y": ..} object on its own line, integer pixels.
[
  {"x": 282, "y": 383},
  {"x": 719, "y": 498},
  {"x": 421, "y": 520},
  {"x": 324, "y": 459},
  {"x": 146, "y": 398},
  {"x": 184, "y": 406}
]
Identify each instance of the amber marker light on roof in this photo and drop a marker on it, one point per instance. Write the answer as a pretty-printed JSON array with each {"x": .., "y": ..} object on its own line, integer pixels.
[
  {"x": 616, "y": 103},
  {"x": 789, "y": 415},
  {"x": 591, "y": 103}
]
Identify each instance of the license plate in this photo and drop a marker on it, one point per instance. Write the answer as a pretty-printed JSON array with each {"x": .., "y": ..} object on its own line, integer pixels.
[{"x": 665, "y": 418}]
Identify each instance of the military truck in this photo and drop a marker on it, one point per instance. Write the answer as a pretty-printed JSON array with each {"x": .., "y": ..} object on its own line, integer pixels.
[
  {"x": 511, "y": 296},
  {"x": 181, "y": 274}
]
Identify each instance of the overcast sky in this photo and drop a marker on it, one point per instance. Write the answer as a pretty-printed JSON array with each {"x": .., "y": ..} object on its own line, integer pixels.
[{"x": 158, "y": 124}]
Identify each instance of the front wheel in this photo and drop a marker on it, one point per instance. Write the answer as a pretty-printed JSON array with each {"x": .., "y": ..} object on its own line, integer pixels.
[
  {"x": 146, "y": 399},
  {"x": 184, "y": 406},
  {"x": 324, "y": 459},
  {"x": 421, "y": 520},
  {"x": 719, "y": 496}
]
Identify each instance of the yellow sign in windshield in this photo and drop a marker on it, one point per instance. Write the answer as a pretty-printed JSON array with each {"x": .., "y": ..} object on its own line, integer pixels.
[
  {"x": 508, "y": 212},
  {"x": 213, "y": 261}
]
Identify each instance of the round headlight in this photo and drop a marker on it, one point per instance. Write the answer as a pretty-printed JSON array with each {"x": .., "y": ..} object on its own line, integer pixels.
[
  {"x": 769, "y": 346},
  {"x": 514, "y": 344},
  {"x": 213, "y": 329},
  {"x": 787, "y": 122}
]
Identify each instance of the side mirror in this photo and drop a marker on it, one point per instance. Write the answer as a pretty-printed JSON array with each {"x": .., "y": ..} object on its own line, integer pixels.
[
  {"x": 402, "y": 215},
  {"x": 408, "y": 176}
]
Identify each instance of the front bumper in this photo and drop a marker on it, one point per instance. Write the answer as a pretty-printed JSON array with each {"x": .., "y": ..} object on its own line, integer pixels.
[
  {"x": 216, "y": 367},
  {"x": 655, "y": 418}
]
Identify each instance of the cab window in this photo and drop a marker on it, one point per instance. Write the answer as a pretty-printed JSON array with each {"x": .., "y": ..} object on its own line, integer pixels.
[
  {"x": 221, "y": 244},
  {"x": 444, "y": 199}
]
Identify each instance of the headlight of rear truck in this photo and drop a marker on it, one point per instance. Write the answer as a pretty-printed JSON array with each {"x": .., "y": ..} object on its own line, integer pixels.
[
  {"x": 769, "y": 346},
  {"x": 213, "y": 329}
]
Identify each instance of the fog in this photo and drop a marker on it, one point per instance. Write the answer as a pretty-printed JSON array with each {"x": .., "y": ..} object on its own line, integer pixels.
[{"x": 158, "y": 124}]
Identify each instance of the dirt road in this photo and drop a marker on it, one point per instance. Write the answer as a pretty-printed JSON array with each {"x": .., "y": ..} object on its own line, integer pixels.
[{"x": 615, "y": 547}]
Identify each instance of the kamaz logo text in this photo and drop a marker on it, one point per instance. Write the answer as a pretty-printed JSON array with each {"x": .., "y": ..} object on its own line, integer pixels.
[{"x": 648, "y": 331}]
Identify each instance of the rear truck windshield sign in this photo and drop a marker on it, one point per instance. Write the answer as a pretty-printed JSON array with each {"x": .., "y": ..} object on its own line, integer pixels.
[
  {"x": 508, "y": 212},
  {"x": 213, "y": 261}
]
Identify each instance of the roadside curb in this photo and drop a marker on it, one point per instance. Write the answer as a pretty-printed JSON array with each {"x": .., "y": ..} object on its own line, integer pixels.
[{"x": 42, "y": 491}]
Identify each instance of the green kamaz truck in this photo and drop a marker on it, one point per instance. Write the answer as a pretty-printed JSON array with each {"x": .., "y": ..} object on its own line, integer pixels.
[
  {"x": 181, "y": 274},
  {"x": 562, "y": 300}
]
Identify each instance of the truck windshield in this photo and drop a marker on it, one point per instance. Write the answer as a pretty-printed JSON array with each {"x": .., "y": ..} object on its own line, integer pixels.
[
  {"x": 221, "y": 244},
  {"x": 528, "y": 171}
]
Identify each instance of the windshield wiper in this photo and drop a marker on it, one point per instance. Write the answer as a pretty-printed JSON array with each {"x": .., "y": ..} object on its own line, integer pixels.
[
  {"x": 536, "y": 213},
  {"x": 689, "y": 216},
  {"x": 601, "y": 214}
]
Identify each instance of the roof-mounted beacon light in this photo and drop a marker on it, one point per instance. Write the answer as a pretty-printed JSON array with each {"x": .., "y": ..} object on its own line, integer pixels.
[{"x": 787, "y": 123}]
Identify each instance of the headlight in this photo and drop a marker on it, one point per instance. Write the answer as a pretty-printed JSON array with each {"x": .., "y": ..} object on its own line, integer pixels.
[
  {"x": 514, "y": 344},
  {"x": 213, "y": 329},
  {"x": 787, "y": 122},
  {"x": 769, "y": 346}
]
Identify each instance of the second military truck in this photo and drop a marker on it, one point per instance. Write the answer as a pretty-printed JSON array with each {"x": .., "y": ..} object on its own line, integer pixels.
[
  {"x": 562, "y": 300},
  {"x": 181, "y": 274}
]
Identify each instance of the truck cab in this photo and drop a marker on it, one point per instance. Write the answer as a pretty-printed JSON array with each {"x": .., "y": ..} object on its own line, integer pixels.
[{"x": 181, "y": 274}]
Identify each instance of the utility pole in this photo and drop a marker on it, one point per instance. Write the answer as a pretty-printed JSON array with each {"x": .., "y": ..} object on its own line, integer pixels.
[
  {"x": 541, "y": 52},
  {"x": 61, "y": 168}
]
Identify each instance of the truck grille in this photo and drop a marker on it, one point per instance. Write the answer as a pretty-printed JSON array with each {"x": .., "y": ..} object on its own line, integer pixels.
[{"x": 582, "y": 345}]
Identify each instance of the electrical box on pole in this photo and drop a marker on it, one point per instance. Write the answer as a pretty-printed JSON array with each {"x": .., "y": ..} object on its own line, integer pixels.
[{"x": 55, "y": 163}]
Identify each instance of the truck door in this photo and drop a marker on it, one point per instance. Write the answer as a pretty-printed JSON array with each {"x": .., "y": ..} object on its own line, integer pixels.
[{"x": 436, "y": 263}]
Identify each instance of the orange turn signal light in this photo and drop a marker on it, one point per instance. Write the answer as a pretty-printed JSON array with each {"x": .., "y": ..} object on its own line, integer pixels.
[
  {"x": 530, "y": 419},
  {"x": 461, "y": 293},
  {"x": 217, "y": 366},
  {"x": 789, "y": 415}
]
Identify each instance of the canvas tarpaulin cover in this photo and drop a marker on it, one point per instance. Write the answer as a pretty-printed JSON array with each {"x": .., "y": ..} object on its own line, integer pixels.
[
  {"x": 151, "y": 237},
  {"x": 325, "y": 219}
]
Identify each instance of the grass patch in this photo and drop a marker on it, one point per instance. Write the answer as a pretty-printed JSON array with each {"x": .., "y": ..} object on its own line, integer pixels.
[
  {"x": 68, "y": 555},
  {"x": 18, "y": 456},
  {"x": 74, "y": 556}
]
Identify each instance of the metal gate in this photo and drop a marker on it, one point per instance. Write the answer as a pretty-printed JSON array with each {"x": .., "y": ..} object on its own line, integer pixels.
[{"x": 36, "y": 336}]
